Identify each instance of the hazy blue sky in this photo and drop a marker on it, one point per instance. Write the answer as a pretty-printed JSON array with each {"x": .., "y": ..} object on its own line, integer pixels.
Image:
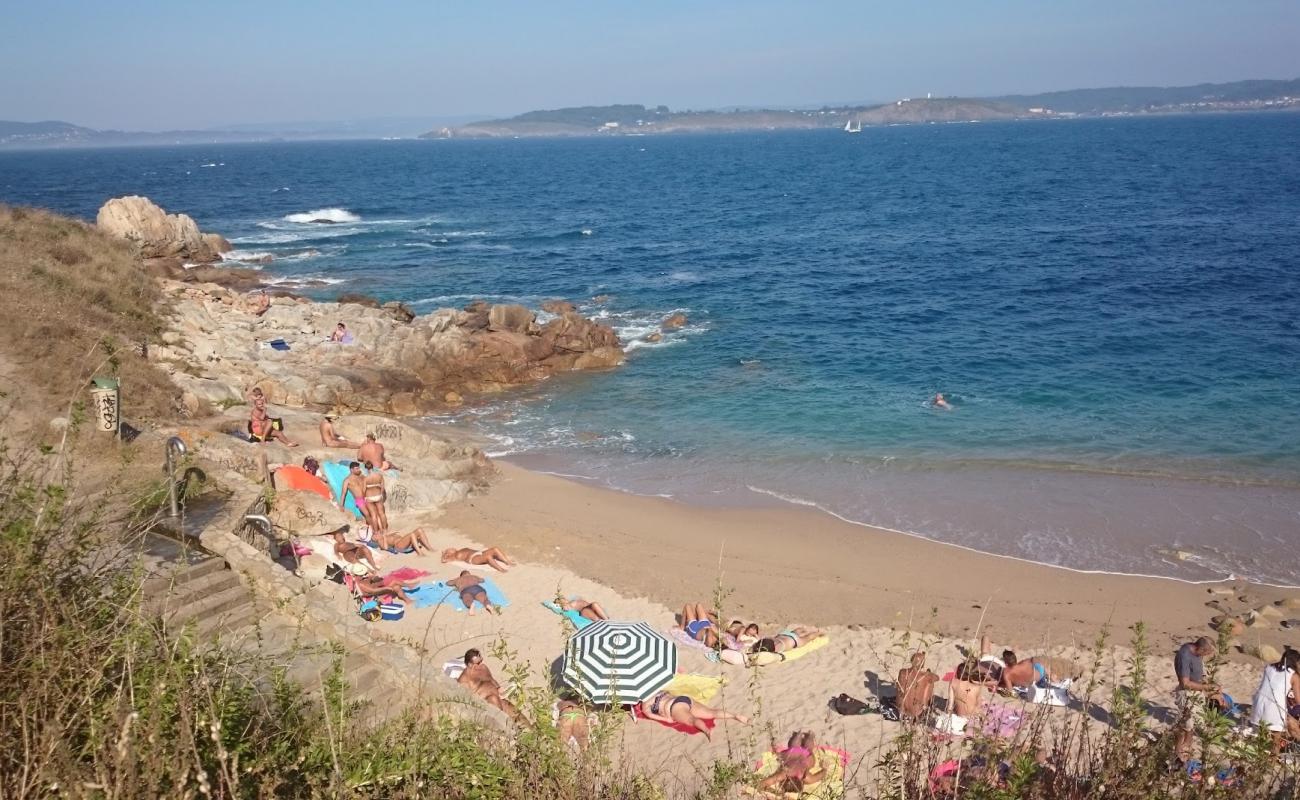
[{"x": 153, "y": 65}]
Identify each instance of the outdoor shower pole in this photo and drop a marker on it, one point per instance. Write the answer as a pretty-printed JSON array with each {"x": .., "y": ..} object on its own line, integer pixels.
[{"x": 175, "y": 447}]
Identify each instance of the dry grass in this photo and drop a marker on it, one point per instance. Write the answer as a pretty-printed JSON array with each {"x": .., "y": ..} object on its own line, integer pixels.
[{"x": 80, "y": 304}]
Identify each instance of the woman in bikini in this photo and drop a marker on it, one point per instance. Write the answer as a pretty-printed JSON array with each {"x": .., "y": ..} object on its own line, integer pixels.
[
  {"x": 700, "y": 624},
  {"x": 416, "y": 540},
  {"x": 788, "y": 639},
  {"x": 574, "y": 724},
  {"x": 376, "y": 586},
  {"x": 586, "y": 608},
  {"x": 375, "y": 495},
  {"x": 470, "y": 588},
  {"x": 493, "y": 557},
  {"x": 682, "y": 710},
  {"x": 797, "y": 766}
]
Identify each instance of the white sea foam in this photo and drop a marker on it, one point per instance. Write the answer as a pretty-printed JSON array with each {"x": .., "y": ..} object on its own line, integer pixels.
[
  {"x": 247, "y": 255},
  {"x": 587, "y": 231},
  {"x": 326, "y": 214}
]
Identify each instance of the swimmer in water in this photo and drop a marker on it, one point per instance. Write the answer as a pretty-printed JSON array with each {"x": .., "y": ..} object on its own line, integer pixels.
[{"x": 939, "y": 402}]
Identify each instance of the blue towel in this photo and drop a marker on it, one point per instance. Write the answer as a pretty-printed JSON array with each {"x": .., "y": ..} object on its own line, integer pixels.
[
  {"x": 434, "y": 594},
  {"x": 577, "y": 619},
  {"x": 278, "y": 344},
  {"x": 336, "y": 472}
]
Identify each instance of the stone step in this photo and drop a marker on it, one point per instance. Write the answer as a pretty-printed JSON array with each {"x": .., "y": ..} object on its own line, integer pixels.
[
  {"x": 182, "y": 575},
  {"x": 194, "y": 591},
  {"x": 211, "y": 605},
  {"x": 226, "y": 623}
]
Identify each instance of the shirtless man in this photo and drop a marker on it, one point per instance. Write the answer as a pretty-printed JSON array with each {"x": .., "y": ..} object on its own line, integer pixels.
[
  {"x": 401, "y": 542},
  {"x": 470, "y": 588},
  {"x": 941, "y": 403},
  {"x": 261, "y": 426},
  {"x": 1023, "y": 674},
  {"x": 373, "y": 452},
  {"x": 375, "y": 495},
  {"x": 493, "y": 557},
  {"x": 329, "y": 437},
  {"x": 915, "y": 688},
  {"x": 352, "y": 552},
  {"x": 478, "y": 679},
  {"x": 355, "y": 485}
]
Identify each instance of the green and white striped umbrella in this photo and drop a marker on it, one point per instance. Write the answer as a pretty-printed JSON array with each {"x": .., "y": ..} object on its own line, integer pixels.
[{"x": 619, "y": 662}]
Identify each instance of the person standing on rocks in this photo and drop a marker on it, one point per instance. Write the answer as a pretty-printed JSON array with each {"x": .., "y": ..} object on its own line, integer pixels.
[
  {"x": 355, "y": 485},
  {"x": 373, "y": 452},
  {"x": 376, "y": 494}
]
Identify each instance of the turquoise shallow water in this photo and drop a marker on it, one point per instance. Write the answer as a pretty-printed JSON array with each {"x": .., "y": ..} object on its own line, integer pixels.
[{"x": 1111, "y": 305}]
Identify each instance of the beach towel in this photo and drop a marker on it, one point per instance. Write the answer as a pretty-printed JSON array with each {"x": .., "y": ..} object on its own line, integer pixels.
[
  {"x": 677, "y": 726},
  {"x": 1002, "y": 721},
  {"x": 406, "y": 574},
  {"x": 292, "y": 478},
  {"x": 336, "y": 472},
  {"x": 701, "y": 688},
  {"x": 278, "y": 344},
  {"x": 831, "y": 761},
  {"x": 435, "y": 594},
  {"x": 577, "y": 619},
  {"x": 452, "y": 669}
]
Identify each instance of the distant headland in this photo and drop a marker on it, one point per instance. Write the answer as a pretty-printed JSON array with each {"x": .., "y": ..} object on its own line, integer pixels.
[{"x": 623, "y": 120}]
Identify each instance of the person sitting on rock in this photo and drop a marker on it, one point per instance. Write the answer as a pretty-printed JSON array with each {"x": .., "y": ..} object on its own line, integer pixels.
[
  {"x": 373, "y": 452},
  {"x": 478, "y": 679},
  {"x": 262, "y": 427},
  {"x": 329, "y": 437},
  {"x": 493, "y": 557},
  {"x": 341, "y": 334},
  {"x": 351, "y": 552}
]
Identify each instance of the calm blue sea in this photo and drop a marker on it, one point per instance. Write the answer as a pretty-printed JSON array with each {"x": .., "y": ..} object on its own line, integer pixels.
[{"x": 1111, "y": 306}]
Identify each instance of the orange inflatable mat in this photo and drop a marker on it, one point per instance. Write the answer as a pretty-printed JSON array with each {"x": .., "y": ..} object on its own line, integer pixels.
[{"x": 297, "y": 478}]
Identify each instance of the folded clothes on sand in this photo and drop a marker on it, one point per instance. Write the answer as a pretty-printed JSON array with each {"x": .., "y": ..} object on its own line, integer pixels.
[
  {"x": 434, "y": 594},
  {"x": 576, "y": 618}
]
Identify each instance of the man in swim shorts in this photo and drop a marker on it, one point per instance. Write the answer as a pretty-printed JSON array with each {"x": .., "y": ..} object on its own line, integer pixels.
[{"x": 355, "y": 484}]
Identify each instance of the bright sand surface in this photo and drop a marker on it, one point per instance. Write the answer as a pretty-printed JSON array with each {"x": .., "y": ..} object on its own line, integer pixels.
[{"x": 642, "y": 558}]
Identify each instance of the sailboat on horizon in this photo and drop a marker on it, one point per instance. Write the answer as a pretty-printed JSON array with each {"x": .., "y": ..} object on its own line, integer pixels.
[{"x": 849, "y": 127}]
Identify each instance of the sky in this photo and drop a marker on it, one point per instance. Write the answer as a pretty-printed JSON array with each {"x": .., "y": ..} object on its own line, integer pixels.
[{"x": 135, "y": 65}]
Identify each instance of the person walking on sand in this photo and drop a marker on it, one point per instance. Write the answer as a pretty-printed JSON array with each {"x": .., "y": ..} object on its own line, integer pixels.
[
  {"x": 376, "y": 495},
  {"x": 915, "y": 688},
  {"x": 1193, "y": 690},
  {"x": 493, "y": 557},
  {"x": 478, "y": 679},
  {"x": 682, "y": 710},
  {"x": 329, "y": 437},
  {"x": 355, "y": 485},
  {"x": 470, "y": 588},
  {"x": 373, "y": 452}
]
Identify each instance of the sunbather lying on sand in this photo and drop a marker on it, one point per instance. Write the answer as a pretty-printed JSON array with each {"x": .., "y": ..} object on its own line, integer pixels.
[
  {"x": 585, "y": 608},
  {"x": 470, "y": 587},
  {"x": 401, "y": 542},
  {"x": 493, "y": 557},
  {"x": 787, "y": 639},
  {"x": 352, "y": 552},
  {"x": 573, "y": 724},
  {"x": 682, "y": 710},
  {"x": 797, "y": 767},
  {"x": 700, "y": 624},
  {"x": 478, "y": 679},
  {"x": 745, "y": 635},
  {"x": 375, "y": 586}
]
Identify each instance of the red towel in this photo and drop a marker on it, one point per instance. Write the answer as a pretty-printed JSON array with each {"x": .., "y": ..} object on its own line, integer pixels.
[{"x": 677, "y": 726}]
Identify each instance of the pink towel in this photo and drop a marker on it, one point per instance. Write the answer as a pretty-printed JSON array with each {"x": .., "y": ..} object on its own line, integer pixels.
[
  {"x": 677, "y": 726},
  {"x": 406, "y": 574}
]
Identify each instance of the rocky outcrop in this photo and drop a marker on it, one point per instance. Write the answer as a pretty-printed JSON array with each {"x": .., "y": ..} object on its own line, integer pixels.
[
  {"x": 158, "y": 234},
  {"x": 394, "y": 366}
]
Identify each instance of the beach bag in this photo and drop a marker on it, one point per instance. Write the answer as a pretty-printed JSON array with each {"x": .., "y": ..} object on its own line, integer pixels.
[
  {"x": 365, "y": 534},
  {"x": 333, "y": 572},
  {"x": 391, "y": 611},
  {"x": 310, "y": 465},
  {"x": 850, "y": 706},
  {"x": 370, "y": 610},
  {"x": 889, "y": 709}
]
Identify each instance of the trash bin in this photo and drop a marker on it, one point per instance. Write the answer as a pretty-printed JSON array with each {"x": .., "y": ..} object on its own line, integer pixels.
[{"x": 106, "y": 397}]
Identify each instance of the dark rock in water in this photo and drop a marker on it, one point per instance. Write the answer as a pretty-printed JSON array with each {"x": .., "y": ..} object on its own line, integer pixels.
[
  {"x": 674, "y": 322},
  {"x": 323, "y": 221}
]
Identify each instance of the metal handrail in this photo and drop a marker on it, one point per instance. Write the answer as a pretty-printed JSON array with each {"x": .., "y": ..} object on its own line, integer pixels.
[{"x": 175, "y": 448}]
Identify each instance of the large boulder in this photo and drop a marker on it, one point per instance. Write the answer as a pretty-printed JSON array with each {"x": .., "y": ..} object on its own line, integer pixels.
[
  {"x": 155, "y": 232},
  {"x": 510, "y": 318}
]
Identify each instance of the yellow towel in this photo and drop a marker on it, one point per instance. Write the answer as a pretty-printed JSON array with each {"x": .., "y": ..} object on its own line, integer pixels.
[
  {"x": 805, "y": 649},
  {"x": 830, "y": 761},
  {"x": 697, "y": 687}
]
